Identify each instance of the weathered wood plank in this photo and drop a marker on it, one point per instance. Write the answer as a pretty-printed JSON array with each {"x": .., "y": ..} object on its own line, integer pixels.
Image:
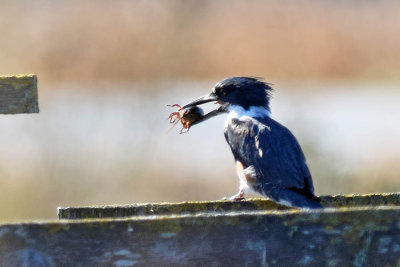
[
  {"x": 217, "y": 206},
  {"x": 18, "y": 94},
  {"x": 327, "y": 237}
]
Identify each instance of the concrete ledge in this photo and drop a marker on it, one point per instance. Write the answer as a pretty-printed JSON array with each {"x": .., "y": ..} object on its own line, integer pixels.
[
  {"x": 18, "y": 94},
  {"x": 218, "y": 206},
  {"x": 356, "y": 236}
]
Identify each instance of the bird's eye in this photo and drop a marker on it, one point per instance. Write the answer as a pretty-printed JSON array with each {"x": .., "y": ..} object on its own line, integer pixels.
[{"x": 224, "y": 93}]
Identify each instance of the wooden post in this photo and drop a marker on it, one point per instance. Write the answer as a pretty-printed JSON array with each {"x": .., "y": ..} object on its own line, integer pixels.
[
  {"x": 18, "y": 94},
  {"x": 351, "y": 231}
]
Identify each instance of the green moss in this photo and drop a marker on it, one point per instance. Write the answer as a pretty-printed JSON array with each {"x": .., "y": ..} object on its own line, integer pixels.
[
  {"x": 54, "y": 228},
  {"x": 387, "y": 199},
  {"x": 19, "y": 81}
]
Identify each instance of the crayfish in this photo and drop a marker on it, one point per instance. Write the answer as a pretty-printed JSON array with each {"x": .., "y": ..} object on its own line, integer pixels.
[{"x": 187, "y": 117}]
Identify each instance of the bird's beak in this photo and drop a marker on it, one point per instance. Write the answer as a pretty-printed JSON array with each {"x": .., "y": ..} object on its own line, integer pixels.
[
  {"x": 204, "y": 99},
  {"x": 211, "y": 97}
]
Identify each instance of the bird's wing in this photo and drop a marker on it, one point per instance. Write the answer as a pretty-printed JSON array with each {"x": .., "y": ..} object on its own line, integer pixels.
[{"x": 273, "y": 151}]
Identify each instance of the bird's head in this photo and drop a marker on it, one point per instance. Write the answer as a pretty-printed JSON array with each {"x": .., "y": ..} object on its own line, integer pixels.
[{"x": 245, "y": 92}]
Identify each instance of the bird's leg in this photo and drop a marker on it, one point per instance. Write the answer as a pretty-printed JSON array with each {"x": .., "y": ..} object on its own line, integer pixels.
[{"x": 238, "y": 197}]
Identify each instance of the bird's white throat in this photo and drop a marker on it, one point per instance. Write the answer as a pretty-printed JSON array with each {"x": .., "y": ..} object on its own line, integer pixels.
[{"x": 238, "y": 112}]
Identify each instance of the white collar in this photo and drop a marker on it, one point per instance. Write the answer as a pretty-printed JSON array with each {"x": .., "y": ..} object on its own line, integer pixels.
[{"x": 237, "y": 112}]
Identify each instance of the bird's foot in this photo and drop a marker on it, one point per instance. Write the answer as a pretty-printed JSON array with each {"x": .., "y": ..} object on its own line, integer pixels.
[{"x": 238, "y": 197}]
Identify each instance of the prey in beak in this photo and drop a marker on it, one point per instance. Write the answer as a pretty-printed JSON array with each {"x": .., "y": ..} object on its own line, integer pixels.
[
  {"x": 211, "y": 97},
  {"x": 190, "y": 114}
]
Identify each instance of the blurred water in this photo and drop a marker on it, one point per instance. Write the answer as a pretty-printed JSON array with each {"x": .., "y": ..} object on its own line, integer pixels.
[{"x": 102, "y": 146}]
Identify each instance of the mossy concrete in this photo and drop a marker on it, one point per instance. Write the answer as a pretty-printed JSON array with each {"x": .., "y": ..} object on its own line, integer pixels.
[
  {"x": 352, "y": 236},
  {"x": 218, "y": 206},
  {"x": 18, "y": 94}
]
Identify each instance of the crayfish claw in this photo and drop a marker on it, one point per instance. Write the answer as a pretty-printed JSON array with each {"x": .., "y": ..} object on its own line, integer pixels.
[{"x": 174, "y": 117}]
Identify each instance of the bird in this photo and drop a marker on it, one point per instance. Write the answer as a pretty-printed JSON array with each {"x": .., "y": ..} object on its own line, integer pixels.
[{"x": 268, "y": 158}]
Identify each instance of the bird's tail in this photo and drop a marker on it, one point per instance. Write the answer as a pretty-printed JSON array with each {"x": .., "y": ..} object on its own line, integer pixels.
[{"x": 297, "y": 199}]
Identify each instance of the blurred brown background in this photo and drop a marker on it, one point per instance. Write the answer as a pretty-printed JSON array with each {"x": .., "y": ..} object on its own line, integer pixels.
[{"x": 107, "y": 68}]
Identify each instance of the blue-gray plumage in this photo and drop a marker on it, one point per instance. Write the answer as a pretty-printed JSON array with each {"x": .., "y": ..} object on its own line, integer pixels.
[{"x": 268, "y": 158}]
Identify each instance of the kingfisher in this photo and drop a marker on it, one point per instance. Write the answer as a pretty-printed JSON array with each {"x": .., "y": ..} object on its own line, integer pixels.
[{"x": 269, "y": 160}]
